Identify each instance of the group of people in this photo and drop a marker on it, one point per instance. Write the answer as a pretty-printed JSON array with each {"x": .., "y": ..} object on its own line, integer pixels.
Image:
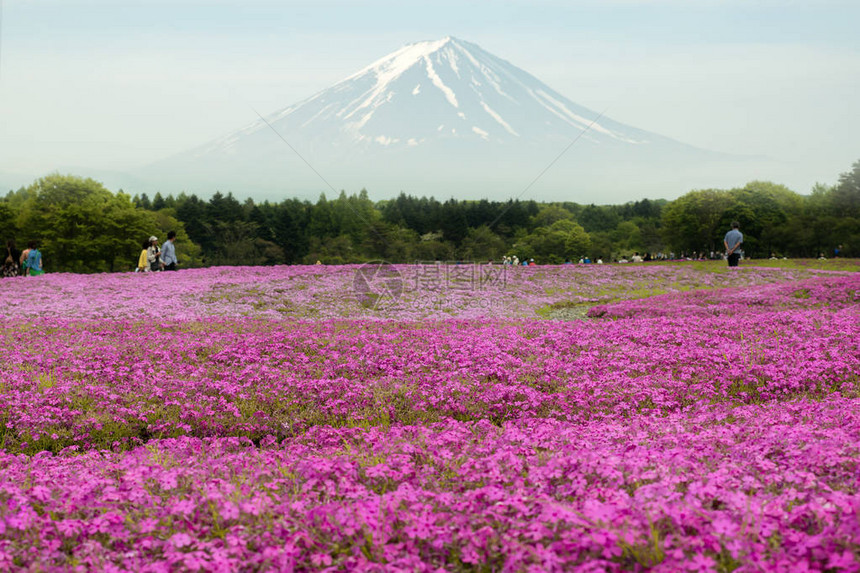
[
  {"x": 515, "y": 260},
  {"x": 732, "y": 242},
  {"x": 585, "y": 260},
  {"x": 22, "y": 263},
  {"x": 154, "y": 258}
]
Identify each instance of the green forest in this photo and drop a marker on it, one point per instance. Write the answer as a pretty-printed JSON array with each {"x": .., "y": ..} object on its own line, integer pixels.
[{"x": 83, "y": 227}]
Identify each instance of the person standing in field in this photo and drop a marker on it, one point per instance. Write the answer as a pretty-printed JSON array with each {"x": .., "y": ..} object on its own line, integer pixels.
[
  {"x": 34, "y": 260},
  {"x": 153, "y": 254},
  {"x": 733, "y": 241},
  {"x": 168, "y": 253}
]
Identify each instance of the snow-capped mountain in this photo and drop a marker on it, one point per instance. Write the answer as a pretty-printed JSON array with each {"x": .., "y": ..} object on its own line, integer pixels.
[{"x": 445, "y": 118}]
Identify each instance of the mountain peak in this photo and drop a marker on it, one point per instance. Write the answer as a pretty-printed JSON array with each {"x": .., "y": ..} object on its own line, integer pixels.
[
  {"x": 457, "y": 89},
  {"x": 437, "y": 110},
  {"x": 391, "y": 66}
]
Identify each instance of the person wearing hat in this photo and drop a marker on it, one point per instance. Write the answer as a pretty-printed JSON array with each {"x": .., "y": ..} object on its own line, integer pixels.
[{"x": 153, "y": 254}]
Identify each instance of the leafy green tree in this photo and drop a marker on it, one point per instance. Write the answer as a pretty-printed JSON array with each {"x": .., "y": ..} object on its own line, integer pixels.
[
  {"x": 402, "y": 245},
  {"x": 649, "y": 232},
  {"x": 515, "y": 214},
  {"x": 290, "y": 228},
  {"x": 384, "y": 241},
  {"x": 845, "y": 197},
  {"x": 224, "y": 208},
  {"x": 762, "y": 208},
  {"x": 85, "y": 227},
  {"x": 322, "y": 219},
  {"x": 647, "y": 209},
  {"x": 481, "y": 212},
  {"x": 355, "y": 215},
  {"x": 560, "y": 241},
  {"x": 693, "y": 222},
  {"x": 594, "y": 218},
  {"x": 332, "y": 251},
  {"x": 482, "y": 244},
  {"x": 158, "y": 202},
  {"x": 261, "y": 222},
  {"x": 142, "y": 201},
  {"x": 193, "y": 213},
  {"x": 8, "y": 222},
  {"x": 431, "y": 247},
  {"x": 627, "y": 237},
  {"x": 549, "y": 214},
  {"x": 602, "y": 246},
  {"x": 239, "y": 244},
  {"x": 454, "y": 225},
  {"x": 82, "y": 226},
  {"x": 421, "y": 215}
]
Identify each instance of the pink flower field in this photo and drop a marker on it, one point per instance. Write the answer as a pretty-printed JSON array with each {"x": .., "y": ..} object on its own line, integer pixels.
[{"x": 665, "y": 417}]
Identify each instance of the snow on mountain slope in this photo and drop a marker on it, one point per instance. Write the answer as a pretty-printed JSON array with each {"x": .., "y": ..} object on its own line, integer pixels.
[
  {"x": 433, "y": 115},
  {"x": 435, "y": 90}
]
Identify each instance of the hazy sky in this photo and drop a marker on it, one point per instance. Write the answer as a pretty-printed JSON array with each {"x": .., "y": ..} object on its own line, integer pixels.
[{"x": 116, "y": 84}]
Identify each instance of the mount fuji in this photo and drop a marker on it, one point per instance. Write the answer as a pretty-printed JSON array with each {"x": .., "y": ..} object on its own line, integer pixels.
[{"x": 444, "y": 118}]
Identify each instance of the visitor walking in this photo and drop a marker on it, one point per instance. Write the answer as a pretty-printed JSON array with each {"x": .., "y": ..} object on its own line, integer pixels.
[
  {"x": 733, "y": 241},
  {"x": 168, "y": 253}
]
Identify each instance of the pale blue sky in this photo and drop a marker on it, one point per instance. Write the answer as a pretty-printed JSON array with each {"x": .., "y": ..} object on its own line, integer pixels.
[{"x": 115, "y": 84}]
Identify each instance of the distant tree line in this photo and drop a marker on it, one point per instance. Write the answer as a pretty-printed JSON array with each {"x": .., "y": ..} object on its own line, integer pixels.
[{"x": 83, "y": 227}]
